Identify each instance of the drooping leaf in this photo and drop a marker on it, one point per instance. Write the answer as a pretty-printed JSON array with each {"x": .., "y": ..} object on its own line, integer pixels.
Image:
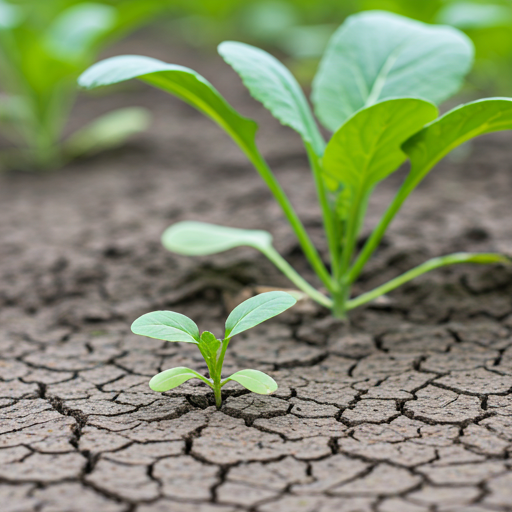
[
  {"x": 209, "y": 346},
  {"x": 454, "y": 128},
  {"x": 271, "y": 83},
  {"x": 108, "y": 131},
  {"x": 255, "y": 381},
  {"x": 77, "y": 28},
  {"x": 170, "y": 379},
  {"x": 182, "y": 82},
  {"x": 168, "y": 326},
  {"x": 256, "y": 310},
  {"x": 376, "y": 55},
  {"x": 200, "y": 238},
  {"x": 367, "y": 148}
]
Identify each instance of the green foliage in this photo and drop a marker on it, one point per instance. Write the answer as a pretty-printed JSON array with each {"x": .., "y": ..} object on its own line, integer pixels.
[
  {"x": 171, "y": 326},
  {"x": 44, "y": 46},
  {"x": 377, "y": 55},
  {"x": 376, "y": 88}
]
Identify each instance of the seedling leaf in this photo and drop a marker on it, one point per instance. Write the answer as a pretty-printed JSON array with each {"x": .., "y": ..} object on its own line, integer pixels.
[
  {"x": 182, "y": 82},
  {"x": 209, "y": 346},
  {"x": 457, "y": 126},
  {"x": 377, "y": 55},
  {"x": 170, "y": 379},
  {"x": 367, "y": 148},
  {"x": 108, "y": 131},
  {"x": 256, "y": 310},
  {"x": 77, "y": 29},
  {"x": 200, "y": 238},
  {"x": 255, "y": 381},
  {"x": 271, "y": 83},
  {"x": 168, "y": 326}
]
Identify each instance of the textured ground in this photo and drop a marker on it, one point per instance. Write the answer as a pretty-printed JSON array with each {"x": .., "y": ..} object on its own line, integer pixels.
[{"x": 408, "y": 409}]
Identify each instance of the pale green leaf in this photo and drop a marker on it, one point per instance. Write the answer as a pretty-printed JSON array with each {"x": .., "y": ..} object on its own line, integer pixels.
[
  {"x": 108, "y": 131},
  {"x": 168, "y": 326},
  {"x": 271, "y": 83},
  {"x": 255, "y": 381},
  {"x": 209, "y": 346},
  {"x": 170, "y": 379},
  {"x": 469, "y": 15},
  {"x": 182, "y": 82},
  {"x": 459, "y": 125},
  {"x": 256, "y": 310},
  {"x": 78, "y": 27},
  {"x": 200, "y": 238},
  {"x": 367, "y": 148},
  {"x": 376, "y": 55}
]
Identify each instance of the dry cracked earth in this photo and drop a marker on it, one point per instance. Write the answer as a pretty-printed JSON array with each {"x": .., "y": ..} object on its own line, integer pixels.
[{"x": 407, "y": 409}]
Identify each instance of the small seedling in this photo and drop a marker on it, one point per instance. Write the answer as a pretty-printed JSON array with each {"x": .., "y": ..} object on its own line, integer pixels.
[
  {"x": 377, "y": 88},
  {"x": 171, "y": 326}
]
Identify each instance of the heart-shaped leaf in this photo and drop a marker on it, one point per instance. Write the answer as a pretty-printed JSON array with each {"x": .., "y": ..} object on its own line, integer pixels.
[
  {"x": 459, "y": 125},
  {"x": 367, "y": 148},
  {"x": 376, "y": 55},
  {"x": 272, "y": 84},
  {"x": 255, "y": 381},
  {"x": 169, "y": 379},
  {"x": 200, "y": 238},
  {"x": 168, "y": 326},
  {"x": 182, "y": 82},
  {"x": 256, "y": 310}
]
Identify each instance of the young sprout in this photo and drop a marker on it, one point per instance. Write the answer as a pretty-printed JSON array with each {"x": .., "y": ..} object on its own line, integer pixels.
[
  {"x": 171, "y": 326},
  {"x": 376, "y": 89}
]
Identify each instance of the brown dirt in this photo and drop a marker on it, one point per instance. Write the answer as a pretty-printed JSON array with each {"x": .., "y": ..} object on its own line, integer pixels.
[{"x": 408, "y": 410}]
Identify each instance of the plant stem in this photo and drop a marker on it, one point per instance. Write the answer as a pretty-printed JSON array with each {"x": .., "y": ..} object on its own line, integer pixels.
[
  {"x": 307, "y": 246},
  {"x": 327, "y": 214},
  {"x": 479, "y": 258},
  {"x": 217, "y": 390},
  {"x": 295, "y": 278}
]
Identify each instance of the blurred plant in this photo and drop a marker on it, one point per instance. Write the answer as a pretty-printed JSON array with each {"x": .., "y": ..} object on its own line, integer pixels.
[
  {"x": 44, "y": 45},
  {"x": 171, "y": 326},
  {"x": 376, "y": 89}
]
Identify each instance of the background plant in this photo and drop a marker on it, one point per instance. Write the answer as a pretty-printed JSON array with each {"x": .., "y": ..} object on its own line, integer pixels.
[
  {"x": 171, "y": 326},
  {"x": 44, "y": 45},
  {"x": 375, "y": 89}
]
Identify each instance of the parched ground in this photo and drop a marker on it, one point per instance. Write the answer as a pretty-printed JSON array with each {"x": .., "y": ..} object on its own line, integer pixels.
[{"x": 408, "y": 409}]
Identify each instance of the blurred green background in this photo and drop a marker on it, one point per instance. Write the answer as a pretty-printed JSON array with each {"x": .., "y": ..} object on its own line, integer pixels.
[{"x": 45, "y": 44}]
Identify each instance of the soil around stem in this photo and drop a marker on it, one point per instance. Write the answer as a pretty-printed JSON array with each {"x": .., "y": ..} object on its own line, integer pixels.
[{"x": 407, "y": 409}]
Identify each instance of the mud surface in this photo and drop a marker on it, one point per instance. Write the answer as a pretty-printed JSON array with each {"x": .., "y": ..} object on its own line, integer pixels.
[{"x": 407, "y": 410}]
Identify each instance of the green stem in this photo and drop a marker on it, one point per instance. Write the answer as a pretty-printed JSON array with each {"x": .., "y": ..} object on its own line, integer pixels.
[
  {"x": 217, "y": 390},
  {"x": 294, "y": 277},
  {"x": 479, "y": 258},
  {"x": 377, "y": 234},
  {"x": 327, "y": 214},
  {"x": 307, "y": 246}
]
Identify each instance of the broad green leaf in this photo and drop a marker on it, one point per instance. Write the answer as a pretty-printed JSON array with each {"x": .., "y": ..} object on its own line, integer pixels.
[
  {"x": 454, "y": 128},
  {"x": 271, "y": 83},
  {"x": 182, "y": 82},
  {"x": 255, "y": 381},
  {"x": 200, "y": 238},
  {"x": 256, "y": 310},
  {"x": 209, "y": 346},
  {"x": 170, "y": 379},
  {"x": 108, "y": 131},
  {"x": 168, "y": 326},
  {"x": 367, "y": 148},
  {"x": 469, "y": 15},
  {"x": 376, "y": 55},
  {"x": 76, "y": 29}
]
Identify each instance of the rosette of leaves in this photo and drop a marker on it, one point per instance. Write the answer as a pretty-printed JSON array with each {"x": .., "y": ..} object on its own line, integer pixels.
[
  {"x": 44, "y": 46},
  {"x": 376, "y": 89},
  {"x": 172, "y": 326}
]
